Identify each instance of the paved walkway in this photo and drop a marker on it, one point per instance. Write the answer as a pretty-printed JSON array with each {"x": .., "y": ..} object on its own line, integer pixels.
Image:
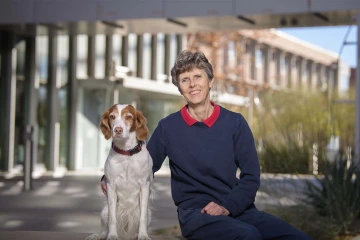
[
  {"x": 71, "y": 203},
  {"x": 68, "y": 207},
  {"x": 32, "y": 235}
]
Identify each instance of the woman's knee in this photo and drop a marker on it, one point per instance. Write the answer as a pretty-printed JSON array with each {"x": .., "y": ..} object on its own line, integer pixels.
[
  {"x": 300, "y": 236},
  {"x": 250, "y": 233}
]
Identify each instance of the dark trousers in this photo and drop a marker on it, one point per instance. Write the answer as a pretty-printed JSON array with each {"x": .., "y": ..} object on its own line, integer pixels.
[{"x": 251, "y": 225}]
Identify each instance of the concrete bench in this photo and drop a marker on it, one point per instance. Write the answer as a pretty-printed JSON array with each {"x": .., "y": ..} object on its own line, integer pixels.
[{"x": 34, "y": 235}]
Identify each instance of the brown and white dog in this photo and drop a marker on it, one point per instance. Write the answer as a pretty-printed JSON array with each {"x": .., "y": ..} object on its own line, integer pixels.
[{"x": 128, "y": 170}]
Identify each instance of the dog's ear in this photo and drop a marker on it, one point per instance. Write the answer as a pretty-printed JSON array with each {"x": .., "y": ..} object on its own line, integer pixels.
[
  {"x": 141, "y": 129},
  {"x": 105, "y": 125}
]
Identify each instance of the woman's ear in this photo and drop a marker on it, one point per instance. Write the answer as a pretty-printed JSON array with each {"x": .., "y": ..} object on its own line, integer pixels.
[
  {"x": 105, "y": 125},
  {"x": 141, "y": 129},
  {"x": 211, "y": 83}
]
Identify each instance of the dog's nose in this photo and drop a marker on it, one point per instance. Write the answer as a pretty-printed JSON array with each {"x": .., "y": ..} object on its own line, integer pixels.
[{"x": 118, "y": 130}]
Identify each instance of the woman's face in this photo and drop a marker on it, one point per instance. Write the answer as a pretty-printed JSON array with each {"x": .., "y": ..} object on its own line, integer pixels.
[{"x": 195, "y": 86}]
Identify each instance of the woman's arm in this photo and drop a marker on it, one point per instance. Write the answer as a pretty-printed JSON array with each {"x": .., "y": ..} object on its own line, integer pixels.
[
  {"x": 244, "y": 192},
  {"x": 157, "y": 148}
]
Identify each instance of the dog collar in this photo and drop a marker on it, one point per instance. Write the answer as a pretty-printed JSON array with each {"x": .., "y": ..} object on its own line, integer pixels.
[{"x": 130, "y": 152}]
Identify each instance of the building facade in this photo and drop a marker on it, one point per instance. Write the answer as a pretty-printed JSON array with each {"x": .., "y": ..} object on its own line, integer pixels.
[{"x": 60, "y": 84}]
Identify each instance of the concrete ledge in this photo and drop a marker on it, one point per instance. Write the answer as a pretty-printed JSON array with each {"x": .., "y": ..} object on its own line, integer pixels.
[{"x": 32, "y": 235}]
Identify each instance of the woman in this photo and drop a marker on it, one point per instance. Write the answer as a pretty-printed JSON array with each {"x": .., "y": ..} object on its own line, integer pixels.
[{"x": 206, "y": 144}]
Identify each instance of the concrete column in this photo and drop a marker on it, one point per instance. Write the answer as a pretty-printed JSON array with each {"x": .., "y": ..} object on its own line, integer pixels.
[
  {"x": 125, "y": 51},
  {"x": 288, "y": 76},
  {"x": 31, "y": 90},
  {"x": 266, "y": 52},
  {"x": 52, "y": 109},
  {"x": 108, "y": 55},
  {"x": 250, "y": 94},
  {"x": 309, "y": 78},
  {"x": 247, "y": 60},
  {"x": 252, "y": 52},
  {"x": 272, "y": 67},
  {"x": 91, "y": 56},
  {"x": 167, "y": 55},
  {"x": 314, "y": 76},
  {"x": 278, "y": 67},
  {"x": 153, "y": 75},
  {"x": 8, "y": 98},
  {"x": 179, "y": 44},
  {"x": 299, "y": 67},
  {"x": 241, "y": 58},
  {"x": 357, "y": 98},
  {"x": 140, "y": 56},
  {"x": 294, "y": 72},
  {"x": 72, "y": 97}
]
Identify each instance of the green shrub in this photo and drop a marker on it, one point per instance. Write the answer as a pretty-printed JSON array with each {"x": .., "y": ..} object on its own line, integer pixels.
[
  {"x": 290, "y": 158},
  {"x": 336, "y": 195}
]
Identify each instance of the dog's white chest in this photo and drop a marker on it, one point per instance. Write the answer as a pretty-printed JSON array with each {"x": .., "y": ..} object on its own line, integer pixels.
[{"x": 122, "y": 168}]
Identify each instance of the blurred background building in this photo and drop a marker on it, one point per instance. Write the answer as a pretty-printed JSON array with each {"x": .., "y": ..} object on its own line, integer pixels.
[{"x": 63, "y": 63}]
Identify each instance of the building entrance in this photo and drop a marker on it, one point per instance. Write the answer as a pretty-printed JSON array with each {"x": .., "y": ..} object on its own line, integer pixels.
[{"x": 95, "y": 96}]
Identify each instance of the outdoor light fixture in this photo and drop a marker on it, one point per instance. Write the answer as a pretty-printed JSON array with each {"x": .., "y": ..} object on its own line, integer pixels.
[
  {"x": 321, "y": 16},
  {"x": 283, "y": 22},
  {"x": 294, "y": 21},
  {"x": 112, "y": 24},
  {"x": 176, "y": 22},
  {"x": 53, "y": 26},
  {"x": 245, "y": 19}
]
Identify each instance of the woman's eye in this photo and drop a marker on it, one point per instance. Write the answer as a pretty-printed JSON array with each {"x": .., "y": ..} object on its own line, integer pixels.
[{"x": 184, "y": 80}]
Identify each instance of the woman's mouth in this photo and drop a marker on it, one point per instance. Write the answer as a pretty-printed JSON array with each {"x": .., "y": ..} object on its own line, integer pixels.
[{"x": 194, "y": 92}]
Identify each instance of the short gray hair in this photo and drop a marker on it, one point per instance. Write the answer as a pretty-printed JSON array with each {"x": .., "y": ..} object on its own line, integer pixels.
[{"x": 186, "y": 61}]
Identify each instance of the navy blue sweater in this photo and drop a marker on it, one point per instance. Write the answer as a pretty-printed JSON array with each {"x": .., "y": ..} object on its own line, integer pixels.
[{"x": 204, "y": 157}]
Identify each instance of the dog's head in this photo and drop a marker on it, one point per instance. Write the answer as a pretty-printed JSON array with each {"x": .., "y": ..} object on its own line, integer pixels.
[{"x": 122, "y": 119}]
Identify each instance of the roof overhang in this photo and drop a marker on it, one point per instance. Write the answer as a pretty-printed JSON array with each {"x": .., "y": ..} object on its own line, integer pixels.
[{"x": 169, "y": 16}]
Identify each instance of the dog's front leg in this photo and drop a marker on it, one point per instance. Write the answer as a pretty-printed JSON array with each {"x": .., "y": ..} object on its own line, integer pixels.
[
  {"x": 144, "y": 198},
  {"x": 112, "y": 202}
]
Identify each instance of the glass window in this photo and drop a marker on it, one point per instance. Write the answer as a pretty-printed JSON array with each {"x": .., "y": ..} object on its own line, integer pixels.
[
  {"x": 132, "y": 52},
  {"x": 117, "y": 49},
  {"x": 100, "y": 56},
  {"x": 304, "y": 71},
  {"x": 147, "y": 56},
  {"x": 42, "y": 57},
  {"x": 41, "y": 68},
  {"x": 63, "y": 56},
  {"x": 82, "y": 54},
  {"x": 19, "y": 103},
  {"x": 173, "y": 51},
  {"x": 160, "y": 53},
  {"x": 283, "y": 64},
  {"x": 231, "y": 55},
  {"x": 258, "y": 57}
]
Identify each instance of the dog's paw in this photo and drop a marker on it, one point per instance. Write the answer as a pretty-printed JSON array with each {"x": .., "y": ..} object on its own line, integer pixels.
[
  {"x": 143, "y": 236},
  {"x": 95, "y": 236},
  {"x": 112, "y": 238}
]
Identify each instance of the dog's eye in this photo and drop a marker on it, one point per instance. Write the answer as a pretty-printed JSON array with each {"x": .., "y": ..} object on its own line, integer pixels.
[
  {"x": 128, "y": 117},
  {"x": 112, "y": 116}
]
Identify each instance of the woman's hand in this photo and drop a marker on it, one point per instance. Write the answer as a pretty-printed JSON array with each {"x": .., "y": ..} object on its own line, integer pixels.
[
  {"x": 103, "y": 185},
  {"x": 215, "y": 209}
]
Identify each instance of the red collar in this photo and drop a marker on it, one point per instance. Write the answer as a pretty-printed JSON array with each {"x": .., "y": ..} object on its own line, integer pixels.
[
  {"x": 130, "y": 152},
  {"x": 208, "y": 122}
]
